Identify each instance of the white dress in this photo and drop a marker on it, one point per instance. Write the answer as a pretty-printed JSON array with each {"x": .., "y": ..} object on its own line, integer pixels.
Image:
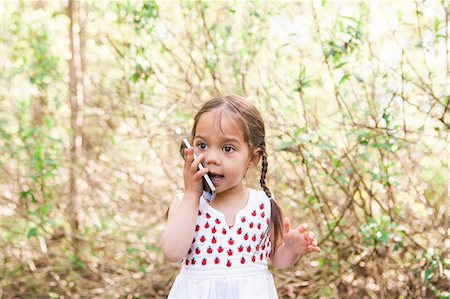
[{"x": 228, "y": 261}]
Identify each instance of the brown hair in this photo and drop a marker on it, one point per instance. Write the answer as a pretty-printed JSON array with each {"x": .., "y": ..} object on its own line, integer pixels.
[{"x": 254, "y": 135}]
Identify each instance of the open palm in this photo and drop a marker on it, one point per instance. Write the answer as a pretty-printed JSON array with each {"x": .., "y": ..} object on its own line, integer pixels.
[{"x": 299, "y": 240}]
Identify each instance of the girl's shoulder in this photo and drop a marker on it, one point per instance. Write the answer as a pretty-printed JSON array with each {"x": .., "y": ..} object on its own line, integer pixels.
[
  {"x": 254, "y": 194},
  {"x": 259, "y": 194}
]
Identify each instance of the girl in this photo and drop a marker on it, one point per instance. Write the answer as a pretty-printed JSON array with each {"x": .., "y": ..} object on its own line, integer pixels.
[{"x": 225, "y": 245}]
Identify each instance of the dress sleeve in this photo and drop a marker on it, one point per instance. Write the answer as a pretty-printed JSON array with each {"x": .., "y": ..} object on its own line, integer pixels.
[{"x": 179, "y": 196}]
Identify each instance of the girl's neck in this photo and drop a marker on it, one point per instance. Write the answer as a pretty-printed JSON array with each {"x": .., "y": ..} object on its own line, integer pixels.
[{"x": 237, "y": 194}]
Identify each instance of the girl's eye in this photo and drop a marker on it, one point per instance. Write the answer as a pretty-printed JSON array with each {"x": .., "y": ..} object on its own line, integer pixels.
[
  {"x": 228, "y": 149},
  {"x": 202, "y": 146}
]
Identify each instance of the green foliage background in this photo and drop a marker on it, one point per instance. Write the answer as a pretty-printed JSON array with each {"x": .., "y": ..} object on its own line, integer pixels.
[{"x": 355, "y": 96}]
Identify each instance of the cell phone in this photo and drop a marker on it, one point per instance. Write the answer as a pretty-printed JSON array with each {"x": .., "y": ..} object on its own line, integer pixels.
[{"x": 209, "y": 190}]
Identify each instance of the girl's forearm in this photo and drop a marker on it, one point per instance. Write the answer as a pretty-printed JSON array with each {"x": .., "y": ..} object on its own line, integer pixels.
[
  {"x": 177, "y": 237},
  {"x": 284, "y": 257}
]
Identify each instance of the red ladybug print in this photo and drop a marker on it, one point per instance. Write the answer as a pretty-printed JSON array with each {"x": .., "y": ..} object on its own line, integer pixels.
[
  {"x": 261, "y": 257},
  {"x": 249, "y": 248},
  {"x": 199, "y": 213},
  {"x": 197, "y": 228},
  {"x": 251, "y": 225},
  {"x": 197, "y": 250},
  {"x": 261, "y": 206},
  {"x": 243, "y": 219},
  {"x": 204, "y": 262},
  {"x": 193, "y": 261},
  {"x": 206, "y": 225},
  {"x": 239, "y": 231},
  {"x": 246, "y": 237},
  {"x": 189, "y": 251},
  {"x": 224, "y": 231},
  {"x": 209, "y": 250},
  {"x": 202, "y": 239},
  {"x": 259, "y": 225},
  {"x": 230, "y": 252},
  {"x": 193, "y": 240},
  {"x": 214, "y": 230},
  {"x": 257, "y": 247},
  {"x": 208, "y": 216},
  {"x": 253, "y": 259},
  {"x": 231, "y": 241},
  {"x": 187, "y": 262},
  {"x": 263, "y": 246},
  {"x": 254, "y": 213},
  {"x": 228, "y": 264},
  {"x": 242, "y": 260},
  {"x": 241, "y": 248},
  {"x": 216, "y": 260},
  {"x": 214, "y": 240},
  {"x": 263, "y": 215},
  {"x": 220, "y": 249},
  {"x": 254, "y": 238},
  {"x": 217, "y": 221}
]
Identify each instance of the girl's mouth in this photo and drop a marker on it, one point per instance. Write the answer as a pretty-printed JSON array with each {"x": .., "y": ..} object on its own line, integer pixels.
[{"x": 215, "y": 178}]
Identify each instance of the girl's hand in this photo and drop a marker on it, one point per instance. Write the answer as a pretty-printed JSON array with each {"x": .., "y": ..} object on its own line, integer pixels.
[
  {"x": 299, "y": 240},
  {"x": 193, "y": 185}
]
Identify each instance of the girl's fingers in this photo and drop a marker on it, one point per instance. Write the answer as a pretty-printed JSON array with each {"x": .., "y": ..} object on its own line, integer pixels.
[
  {"x": 195, "y": 163},
  {"x": 302, "y": 228},
  {"x": 286, "y": 225},
  {"x": 200, "y": 173},
  {"x": 308, "y": 237},
  {"x": 312, "y": 248},
  {"x": 189, "y": 155}
]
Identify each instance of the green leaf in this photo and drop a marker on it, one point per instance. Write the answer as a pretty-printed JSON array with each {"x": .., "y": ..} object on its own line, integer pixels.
[
  {"x": 428, "y": 274},
  {"x": 386, "y": 146},
  {"x": 343, "y": 79},
  {"x": 286, "y": 145},
  {"x": 152, "y": 247},
  {"x": 135, "y": 77},
  {"x": 312, "y": 200},
  {"x": 340, "y": 65},
  {"x": 46, "y": 209},
  {"x": 142, "y": 269},
  {"x": 436, "y": 24},
  {"x": 325, "y": 146},
  {"x": 32, "y": 232},
  {"x": 336, "y": 162},
  {"x": 299, "y": 130},
  {"x": 131, "y": 250},
  {"x": 384, "y": 237},
  {"x": 76, "y": 262},
  {"x": 342, "y": 179}
]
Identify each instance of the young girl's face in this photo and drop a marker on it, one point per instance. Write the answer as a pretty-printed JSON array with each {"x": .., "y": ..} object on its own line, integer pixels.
[{"x": 227, "y": 155}]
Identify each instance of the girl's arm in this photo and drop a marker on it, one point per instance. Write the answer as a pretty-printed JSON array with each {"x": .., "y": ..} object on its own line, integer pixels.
[
  {"x": 294, "y": 243},
  {"x": 177, "y": 236}
]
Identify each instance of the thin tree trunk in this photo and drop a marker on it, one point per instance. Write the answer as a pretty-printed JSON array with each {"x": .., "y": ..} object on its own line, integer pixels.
[{"x": 76, "y": 119}]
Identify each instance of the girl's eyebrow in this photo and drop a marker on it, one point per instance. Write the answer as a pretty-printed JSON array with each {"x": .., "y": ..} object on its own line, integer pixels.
[
  {"x": 231, "y": 140},
  {"x": 225, "y": 140}
]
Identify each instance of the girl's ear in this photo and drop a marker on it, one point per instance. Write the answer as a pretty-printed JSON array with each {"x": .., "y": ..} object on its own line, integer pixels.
[{"x": 254, "y": 157}]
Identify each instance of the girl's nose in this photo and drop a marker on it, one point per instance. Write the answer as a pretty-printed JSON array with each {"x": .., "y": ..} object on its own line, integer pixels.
[{"x": 212, "y": 157}]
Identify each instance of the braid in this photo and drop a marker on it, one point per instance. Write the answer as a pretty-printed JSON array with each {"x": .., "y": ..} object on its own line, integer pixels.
[
  {"x": 265, "y": 165},
  {"x": 276, "y": 214}
]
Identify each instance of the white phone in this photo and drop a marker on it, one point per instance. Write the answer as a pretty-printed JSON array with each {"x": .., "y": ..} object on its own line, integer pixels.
[{"x": 209, "y": 190}]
